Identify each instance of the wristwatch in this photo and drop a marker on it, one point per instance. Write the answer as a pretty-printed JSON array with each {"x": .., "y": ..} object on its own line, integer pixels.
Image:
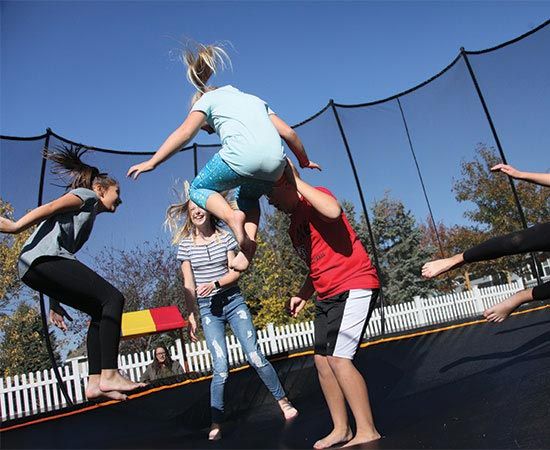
[{"x": 217, "y": 284}]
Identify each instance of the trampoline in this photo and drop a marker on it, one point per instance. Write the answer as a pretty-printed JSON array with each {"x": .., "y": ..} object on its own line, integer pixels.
[{"x": 467, "y": 385}]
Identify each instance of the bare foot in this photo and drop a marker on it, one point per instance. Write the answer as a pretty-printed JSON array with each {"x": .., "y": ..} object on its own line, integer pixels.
[
  {"x": 115, "y": 382},
  {"x": 439, "y": 266},
  {"x": 362, "y": 439},
  {"x": 335, "y": 437},
  {"x": 501, "y": 311},
  {"x": 289, "y": 411},
  {"x": 215, "y": 433},
  {"x": 94, "y": 393}
]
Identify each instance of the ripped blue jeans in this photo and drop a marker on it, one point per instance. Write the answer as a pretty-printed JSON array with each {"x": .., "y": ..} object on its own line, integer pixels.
[{"x": 229, "y": 307}]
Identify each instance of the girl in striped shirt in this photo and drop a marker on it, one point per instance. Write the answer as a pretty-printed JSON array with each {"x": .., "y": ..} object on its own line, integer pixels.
[{"x": 205, "y": 252}]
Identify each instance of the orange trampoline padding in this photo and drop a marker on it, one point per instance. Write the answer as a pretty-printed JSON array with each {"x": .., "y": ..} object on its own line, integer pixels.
[{"x": 154, "y": 320}]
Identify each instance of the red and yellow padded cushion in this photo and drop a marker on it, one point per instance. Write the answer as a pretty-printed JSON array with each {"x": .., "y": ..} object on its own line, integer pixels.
[{"x": 154, "y": 320}]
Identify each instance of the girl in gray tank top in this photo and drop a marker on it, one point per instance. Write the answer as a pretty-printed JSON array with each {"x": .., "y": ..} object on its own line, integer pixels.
[{"x": 47, "y": 264}]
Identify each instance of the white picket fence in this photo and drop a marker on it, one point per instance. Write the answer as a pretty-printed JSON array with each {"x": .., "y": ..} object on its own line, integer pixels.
[{"x": 28, "y": 394}]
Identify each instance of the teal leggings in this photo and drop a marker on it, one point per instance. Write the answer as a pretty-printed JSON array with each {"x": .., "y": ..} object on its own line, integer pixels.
[{"x": 217, "y": 176}]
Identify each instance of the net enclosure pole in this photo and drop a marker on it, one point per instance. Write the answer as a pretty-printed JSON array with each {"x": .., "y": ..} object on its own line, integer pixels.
[
  {"x": 58, "y": 377},
  {"x": 421, "y": 178},
  {"x": 502, "y": 155},
  {"x": 364, "y": 207}
]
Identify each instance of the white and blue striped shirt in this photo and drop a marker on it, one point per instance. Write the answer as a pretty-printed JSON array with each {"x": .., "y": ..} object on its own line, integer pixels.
[{"x": 208, "y": 261}]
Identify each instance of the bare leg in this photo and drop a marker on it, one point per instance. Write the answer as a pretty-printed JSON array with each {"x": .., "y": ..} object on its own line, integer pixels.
[
  {"x": 235, "y": 219},
  {"x": 355, "y": 391},
  {"x": 439, "y": 266},
  {"x": 502, "y": 310},
  {"x": 334, "y": 397},
  {"x": 244, "y": 257},
  {"x": 93, "y": 392},
  {"x": 112, "y": 380}
]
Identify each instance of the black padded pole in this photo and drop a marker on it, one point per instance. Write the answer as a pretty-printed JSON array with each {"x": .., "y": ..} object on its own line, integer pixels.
[
  {"x": 534, "y": 265},
  {"x": 365, "y": 212},
  {"x": 60, "y": 382}
]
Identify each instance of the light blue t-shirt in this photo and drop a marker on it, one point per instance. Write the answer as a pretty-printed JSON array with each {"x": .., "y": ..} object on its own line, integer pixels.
[
  {"x": 251, "y": 145},
  {"x": 62, "y": 234}
]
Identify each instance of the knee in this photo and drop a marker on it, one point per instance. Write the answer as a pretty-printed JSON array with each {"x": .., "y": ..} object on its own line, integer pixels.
[
  {"x": 338, "y": 364},
  {"x": 256, "y": 359},
  {"x": 115, "y": 301},
  {"x": 322, "y": 365}
]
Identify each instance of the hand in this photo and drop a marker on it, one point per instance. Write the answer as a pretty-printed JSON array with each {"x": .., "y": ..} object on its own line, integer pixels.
[
  {"x": 507, "y": 169},
  {"x": 57, "y": 318},
  {"x": 137, "y": 169},
  {"x": 8, "y": 226},
  {"x": 295, "y": 305},
  {"x": 312, "y": 165},
  {"x": 192, "y": 327},
  {"x": 204, "y": 290}
]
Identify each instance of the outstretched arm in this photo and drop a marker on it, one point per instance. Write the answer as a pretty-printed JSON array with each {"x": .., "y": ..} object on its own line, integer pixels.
[
  {"x": 181, "y": 136},
  {"x": 542, "y": 179},
  {"x": 68, "y": 202},
  {"x": 293, "y": 141}
]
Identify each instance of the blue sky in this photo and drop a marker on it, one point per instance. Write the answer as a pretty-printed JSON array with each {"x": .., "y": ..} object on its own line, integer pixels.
[{"x": 107, "y": 74}]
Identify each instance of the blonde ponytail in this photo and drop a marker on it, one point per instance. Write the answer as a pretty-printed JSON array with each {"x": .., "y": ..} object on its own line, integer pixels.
[{"x": 203, "y": 63}]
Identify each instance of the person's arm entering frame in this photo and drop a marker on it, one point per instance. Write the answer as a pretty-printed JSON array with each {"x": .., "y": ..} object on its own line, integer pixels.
[{"x": 542, "y": 179}]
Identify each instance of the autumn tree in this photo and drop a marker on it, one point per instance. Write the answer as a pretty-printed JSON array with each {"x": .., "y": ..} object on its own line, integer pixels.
[{"x": 494, "y": 211}]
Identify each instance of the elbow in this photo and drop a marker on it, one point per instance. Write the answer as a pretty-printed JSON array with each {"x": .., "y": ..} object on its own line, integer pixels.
[{"x": 333, "y": 213}]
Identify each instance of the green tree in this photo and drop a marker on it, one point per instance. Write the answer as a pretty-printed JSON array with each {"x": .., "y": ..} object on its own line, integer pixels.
[
  {"x": 276, "y": 274},
  {"x": 401, "y": 254},
  {"x": 22, "y": 348},
  {"x": 10, "y": 247}
]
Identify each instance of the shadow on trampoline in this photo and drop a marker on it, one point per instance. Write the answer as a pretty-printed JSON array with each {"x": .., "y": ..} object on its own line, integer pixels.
[{"x": 426, "y": 389}]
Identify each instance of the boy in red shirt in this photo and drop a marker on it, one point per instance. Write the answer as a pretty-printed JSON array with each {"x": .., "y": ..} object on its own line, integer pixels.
[{"x": 347, "y": 287}]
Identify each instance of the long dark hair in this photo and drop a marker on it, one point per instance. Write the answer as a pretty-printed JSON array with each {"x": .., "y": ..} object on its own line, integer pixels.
[
  {"x": 167, "y": 360},
  {"x": 70, "y": 168}
]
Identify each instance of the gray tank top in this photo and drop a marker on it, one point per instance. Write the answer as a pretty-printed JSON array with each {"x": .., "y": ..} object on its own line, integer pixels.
[{"x": 62, "y": 234}]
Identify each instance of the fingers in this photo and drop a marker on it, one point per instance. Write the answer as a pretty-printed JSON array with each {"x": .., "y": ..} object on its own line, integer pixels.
[
  {"x": 58, "y": 321},
  {"x": 133, "y": 172}
]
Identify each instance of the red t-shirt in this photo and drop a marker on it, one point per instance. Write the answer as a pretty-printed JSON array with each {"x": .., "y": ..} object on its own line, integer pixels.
[{"x": 336, "y": 258}]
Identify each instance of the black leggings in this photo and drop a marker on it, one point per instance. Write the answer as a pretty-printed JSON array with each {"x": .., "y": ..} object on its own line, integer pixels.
[
  {"x": 533, "y": 239},
  {"x": 70, "y": 282}
]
